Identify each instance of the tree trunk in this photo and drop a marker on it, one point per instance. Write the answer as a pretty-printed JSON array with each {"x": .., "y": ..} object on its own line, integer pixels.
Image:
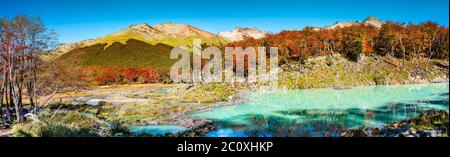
[
  {"x": 1, "y": 104},
  {"x": 403, "y": 50}
]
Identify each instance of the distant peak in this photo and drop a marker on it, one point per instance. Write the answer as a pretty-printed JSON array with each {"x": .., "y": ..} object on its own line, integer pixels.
[
  {"x": 169, "y": 24},
  {"x": 239, "y": 33},
  {"x": 170, "y": 27},
  {"x": 143, "y": 26},
  {"x": 182, "y": 30},
  {"x": 372, "y": 18},
  {"x": 245, "y": 29}
]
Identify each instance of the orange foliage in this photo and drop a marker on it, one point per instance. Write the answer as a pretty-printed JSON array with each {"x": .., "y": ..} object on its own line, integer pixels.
[
  {"x": 394, "y": 39},
  {"x": 101, "y": 75}
]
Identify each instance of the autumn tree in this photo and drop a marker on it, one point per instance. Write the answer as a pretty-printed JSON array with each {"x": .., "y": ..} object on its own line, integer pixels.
[
  {"x": 441, "y": 43},
  {"x": 430, "y": 30},
  {"x": 392, "y": 39},
  {"x": 388, "y": 40},
  {"x": 21, "y": 39},
  {"x": 354, "y": 43}
]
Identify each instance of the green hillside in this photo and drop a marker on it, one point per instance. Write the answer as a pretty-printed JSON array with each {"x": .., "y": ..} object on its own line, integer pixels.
[{"x": 132, "y": 54}]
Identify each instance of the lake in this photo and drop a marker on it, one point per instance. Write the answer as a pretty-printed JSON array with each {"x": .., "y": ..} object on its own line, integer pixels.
[{"x": 321, "y": 112}]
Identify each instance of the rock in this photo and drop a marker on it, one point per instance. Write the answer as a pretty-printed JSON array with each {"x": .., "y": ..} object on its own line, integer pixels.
[
  {"x": 405, "y": 134},
  {"x": 407, "y": 128},
  {"x": 439, "y": 80},
  {"x": 376, "y": 132},
  {"x": 413, "y": 131},
  {"x": 118, "y": 134},
  {"x": 31, "y": 116},
  {"x": 343, "y": 134},
  {"x": 5, "y": 132},
  {"x": 422, "y": 134},
  {"x": 432, "y": 133},
  {"x": 395, "y": 125},
  {"x": 368, "y": 132}
]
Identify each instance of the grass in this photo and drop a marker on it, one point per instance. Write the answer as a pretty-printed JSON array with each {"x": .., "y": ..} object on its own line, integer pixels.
[
  {"x": 165, "y": 104},
  {"x": 132, "y": 54},
  {"x": 162, "y": 104},
  {"x": 83, "y": 108},
  {"x": 147, "y": 113},
  {"x": 371, "y": 70},
  {"x": 212, "y": 92},
  {"x": 430, "y": 120},
  {"x": 62, "y": 124}
]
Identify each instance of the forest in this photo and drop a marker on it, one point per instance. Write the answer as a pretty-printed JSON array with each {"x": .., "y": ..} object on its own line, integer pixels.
[{"x": 407, "y": 41}]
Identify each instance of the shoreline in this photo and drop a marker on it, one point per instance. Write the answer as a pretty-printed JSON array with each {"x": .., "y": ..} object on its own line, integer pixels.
[
  {"x": 198, "y": 127},
  {"x": 207, "y": 125},
  {"x": 434, "y": 123}
]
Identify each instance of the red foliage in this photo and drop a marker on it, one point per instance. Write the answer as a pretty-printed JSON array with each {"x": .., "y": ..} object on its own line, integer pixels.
[
  {"x": 394, "y": 39},
  {"x": 101, "y": 75}
]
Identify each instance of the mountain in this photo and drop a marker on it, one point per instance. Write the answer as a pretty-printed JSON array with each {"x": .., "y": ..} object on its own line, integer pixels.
[
  {"x": 179, "y": 30},
  {"x": 341, "y": 25},
  {"x": 64, "y": 48},
  {"x": 239, "y": 33},
  {"x": 167, "y": 33},
  {"x": 142, "y": 45},
  {"x": 312, "y": 28},
  {"x": 139, "y": 45},
  {"x": 371, "y": 20}
]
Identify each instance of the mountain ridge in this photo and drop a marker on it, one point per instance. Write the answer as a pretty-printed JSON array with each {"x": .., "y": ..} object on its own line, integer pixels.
[
  {"x": 239, "y": 33},
  {"x": 371, "y": 20},
  {"x": 174, "y": 35},
  {"x": 166, "y": 33}
]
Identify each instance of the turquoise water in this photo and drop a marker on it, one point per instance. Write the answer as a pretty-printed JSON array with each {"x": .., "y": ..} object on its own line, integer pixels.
[
  {"x": 320, "y": 112},
  {"x": 156, "y": 129}
]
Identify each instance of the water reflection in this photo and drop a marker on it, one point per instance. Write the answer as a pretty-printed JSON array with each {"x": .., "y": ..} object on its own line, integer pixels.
[
  {"x": 289, "y": 119},
  {"x": 318, "y": 123}
]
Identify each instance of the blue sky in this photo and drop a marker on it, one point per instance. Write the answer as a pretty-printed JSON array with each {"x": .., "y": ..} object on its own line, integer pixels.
[{"x": 76, "y": 20}]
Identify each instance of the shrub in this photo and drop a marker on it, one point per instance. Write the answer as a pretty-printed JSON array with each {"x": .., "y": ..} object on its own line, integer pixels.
[
  {"x": 62, "y": 124},
  {"x": 124, "y": 75},
  {"x": 210, "y": 92},
  {"x": 51, "y": 128},
  {"x": 118, "y": 128}
]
